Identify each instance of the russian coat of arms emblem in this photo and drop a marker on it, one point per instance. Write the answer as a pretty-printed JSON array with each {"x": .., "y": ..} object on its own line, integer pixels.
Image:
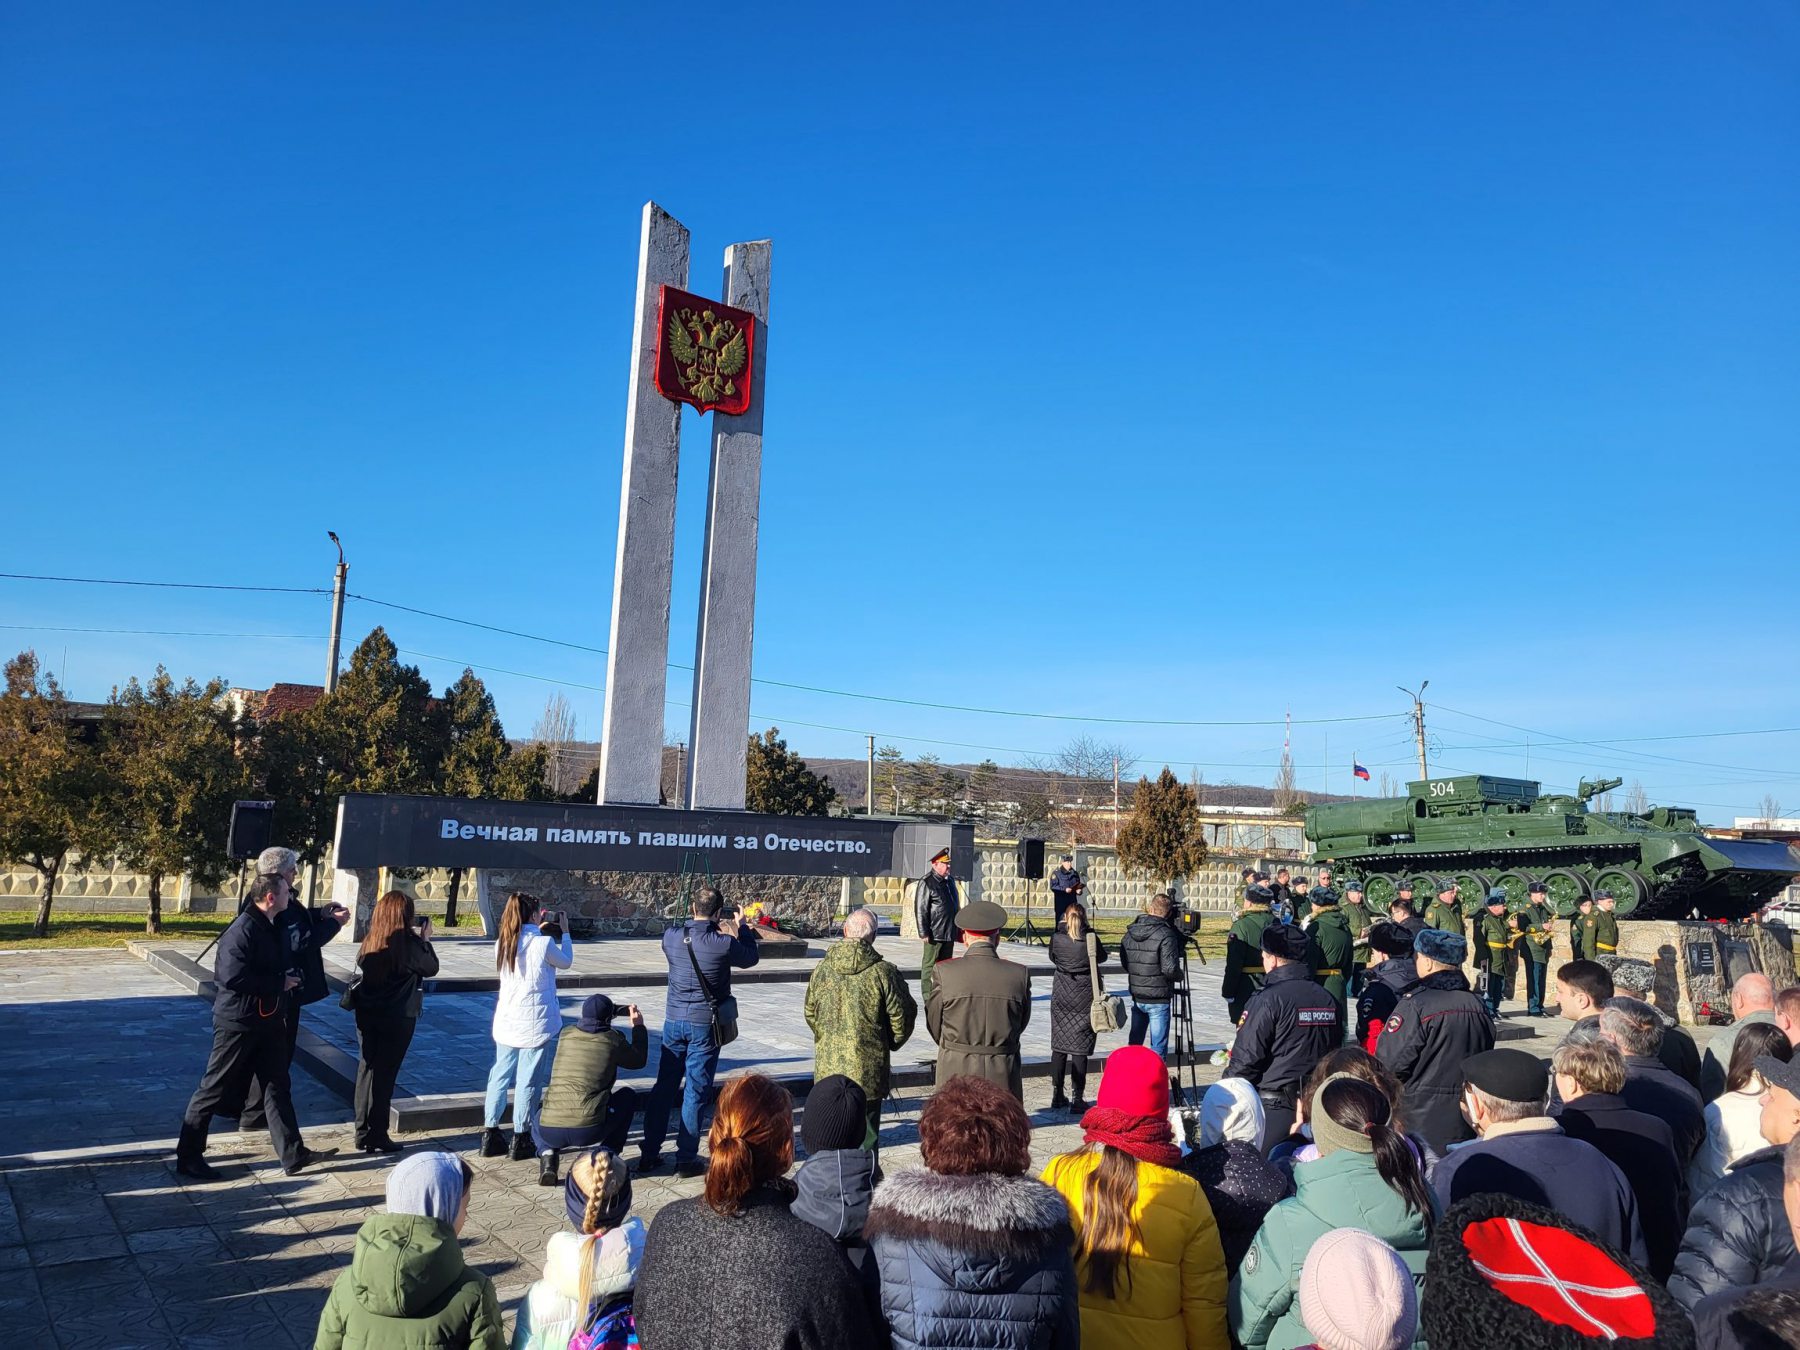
[{"x": 704, "y": 352}]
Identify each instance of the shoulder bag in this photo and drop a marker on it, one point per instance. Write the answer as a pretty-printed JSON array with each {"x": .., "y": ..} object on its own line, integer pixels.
[
  {"x": 724, "y": 1010},
  {"x": 1107, "y": 1013}
]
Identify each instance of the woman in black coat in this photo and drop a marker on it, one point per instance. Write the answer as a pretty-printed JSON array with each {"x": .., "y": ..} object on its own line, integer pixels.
[
  {"x": 1071, "y": 998},
  {"x": 387, "y": 995}
]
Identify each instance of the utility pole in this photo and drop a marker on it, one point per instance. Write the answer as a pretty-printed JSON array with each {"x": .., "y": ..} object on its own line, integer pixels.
[
  {"x": 1115, "y": 800},
  {"x": 337, "y": 614},
  {"x": 1418, "y": 717},
  {"x": 869, "y": 797}
]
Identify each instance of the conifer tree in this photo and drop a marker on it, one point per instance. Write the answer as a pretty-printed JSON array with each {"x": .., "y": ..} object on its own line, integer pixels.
[
  {"x": 480, "y": 762},
  {"x": 780, "y": 783},
  {"x": 1164, "y": 835}
]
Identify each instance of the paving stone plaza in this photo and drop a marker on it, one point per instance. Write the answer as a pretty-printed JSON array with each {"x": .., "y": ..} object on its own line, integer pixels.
[{"x": 101, "y": 1245}]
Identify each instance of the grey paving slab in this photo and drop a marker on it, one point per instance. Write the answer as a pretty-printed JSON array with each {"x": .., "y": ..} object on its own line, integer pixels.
[{"x": 97, "y": 1048}]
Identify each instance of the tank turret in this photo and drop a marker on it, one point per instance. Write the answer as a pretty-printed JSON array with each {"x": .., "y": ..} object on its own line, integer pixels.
[{"x": 1487, "y": 831}]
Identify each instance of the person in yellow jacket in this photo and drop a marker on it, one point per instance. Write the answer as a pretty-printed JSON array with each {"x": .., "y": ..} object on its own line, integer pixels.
[{"x": 1148, "y": 1263}]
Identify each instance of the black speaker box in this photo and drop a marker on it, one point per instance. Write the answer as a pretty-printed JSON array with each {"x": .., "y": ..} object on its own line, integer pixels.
[
  {"x": 252, "y": 824},
  {"x": 1031, "y": 859}
]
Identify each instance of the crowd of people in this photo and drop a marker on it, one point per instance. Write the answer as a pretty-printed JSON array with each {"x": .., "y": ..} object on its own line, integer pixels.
[{"x": 1370, "y": 1171}]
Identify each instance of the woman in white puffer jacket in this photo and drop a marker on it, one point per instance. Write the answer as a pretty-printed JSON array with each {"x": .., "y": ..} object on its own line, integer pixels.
[
  {"x": 527, "y": 1019},
  {"x": 1734, "y": 1121}
]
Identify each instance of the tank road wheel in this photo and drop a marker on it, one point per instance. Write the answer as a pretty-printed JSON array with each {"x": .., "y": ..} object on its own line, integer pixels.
[
  {"x": 1628, "y": 888},
  {"x": 1564, "y": 890},
  {"x": 1425, "y": 889},
  {"x": 1517, "y": 885},
  {"x": 1472, "y": 889},
  {"x": 1379, "y": 892}
]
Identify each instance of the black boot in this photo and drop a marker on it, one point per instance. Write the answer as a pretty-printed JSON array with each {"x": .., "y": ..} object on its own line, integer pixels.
[
  {"x": 189, "y": 1149},
  {"x": 493, "y": 1143},
  {"x": 1058, "y": 1102},
  {"x": 547, "y": 1167},
  {"x": 522, "y": 1147}
]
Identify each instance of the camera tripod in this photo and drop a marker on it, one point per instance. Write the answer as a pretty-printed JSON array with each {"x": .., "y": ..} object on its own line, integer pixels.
[
  {"x": 1181, "y": 1032},
  {"x": 1027, "y": 932}
]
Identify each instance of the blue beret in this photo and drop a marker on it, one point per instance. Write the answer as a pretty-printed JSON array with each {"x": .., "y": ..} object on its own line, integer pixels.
[{"x": 1450, "y": 948}]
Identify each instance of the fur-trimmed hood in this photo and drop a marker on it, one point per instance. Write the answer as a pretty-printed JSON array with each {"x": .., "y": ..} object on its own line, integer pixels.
[{"x": 987, "y": 1216}]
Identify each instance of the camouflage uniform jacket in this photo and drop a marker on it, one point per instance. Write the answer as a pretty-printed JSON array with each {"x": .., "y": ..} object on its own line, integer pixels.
[{"x": 860, "y": 1010}]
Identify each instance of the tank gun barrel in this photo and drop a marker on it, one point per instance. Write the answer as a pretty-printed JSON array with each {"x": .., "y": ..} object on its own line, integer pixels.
[{"x": 1592, "y": 788}]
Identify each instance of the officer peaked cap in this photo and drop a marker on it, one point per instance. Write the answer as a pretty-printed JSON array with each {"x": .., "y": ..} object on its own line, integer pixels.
[{"x": 1284, "y": 940}]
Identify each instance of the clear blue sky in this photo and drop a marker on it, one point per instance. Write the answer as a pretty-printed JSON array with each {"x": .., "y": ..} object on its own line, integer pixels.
[{"x": 1194, "y": 362}]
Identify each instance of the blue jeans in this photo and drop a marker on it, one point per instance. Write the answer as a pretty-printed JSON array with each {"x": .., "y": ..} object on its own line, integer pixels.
[
  {"x": 689, "y": 1061},
  {"x": 524, "y": 1069},
  {"x": 1153, "y": 1017}
]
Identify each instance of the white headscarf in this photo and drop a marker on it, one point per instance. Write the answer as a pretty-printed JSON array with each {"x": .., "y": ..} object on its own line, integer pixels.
[{"x": 1230, "y": 1110}]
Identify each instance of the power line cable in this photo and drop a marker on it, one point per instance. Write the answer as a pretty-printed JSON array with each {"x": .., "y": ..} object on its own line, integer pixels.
[{"x": 169, "y": 585}]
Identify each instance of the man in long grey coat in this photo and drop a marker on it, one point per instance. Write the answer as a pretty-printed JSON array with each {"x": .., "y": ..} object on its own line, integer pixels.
[{"x": 979, "y": 1005}]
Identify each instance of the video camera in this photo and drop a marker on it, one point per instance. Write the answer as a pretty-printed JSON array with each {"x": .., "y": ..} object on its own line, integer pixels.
[{"x": 1183, "y": 919}]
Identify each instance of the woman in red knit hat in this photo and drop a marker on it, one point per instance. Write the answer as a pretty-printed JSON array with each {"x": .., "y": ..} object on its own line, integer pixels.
[{"x": 1148, "y": 1262}]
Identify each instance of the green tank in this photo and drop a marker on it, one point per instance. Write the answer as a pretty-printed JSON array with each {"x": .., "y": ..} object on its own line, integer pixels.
[{"x": 1507, "y": 832}]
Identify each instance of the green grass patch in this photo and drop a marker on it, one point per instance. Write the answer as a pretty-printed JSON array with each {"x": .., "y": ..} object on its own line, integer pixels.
[
  {"x": 1211, "y": 937},
  {"x": 101, "y": 930}
]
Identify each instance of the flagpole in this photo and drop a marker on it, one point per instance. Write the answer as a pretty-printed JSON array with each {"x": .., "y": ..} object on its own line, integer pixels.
[{"x": 1354, "y": 780}]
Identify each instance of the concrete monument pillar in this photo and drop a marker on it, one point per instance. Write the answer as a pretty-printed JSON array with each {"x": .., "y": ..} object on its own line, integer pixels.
[
  {"x": 638, "y": 651},
  {"x": 720, "y": 724}
]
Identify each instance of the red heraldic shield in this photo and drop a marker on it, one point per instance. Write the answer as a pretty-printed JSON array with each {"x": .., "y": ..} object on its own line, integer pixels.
[{"x": 704, "y": 352}]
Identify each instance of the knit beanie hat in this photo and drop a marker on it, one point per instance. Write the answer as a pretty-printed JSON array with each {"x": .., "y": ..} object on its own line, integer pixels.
[
  {"x": 430, "y": 1184},
  {"x": 1326, "y": 1132},
  {"x": 1505, "y": 1272},
  {"x": 1357, "y": 1294},
  {"x": 836, "y": 1115},
  {"x": 597, "y": 1013},
  {"x": 1135, "y": 1081}
]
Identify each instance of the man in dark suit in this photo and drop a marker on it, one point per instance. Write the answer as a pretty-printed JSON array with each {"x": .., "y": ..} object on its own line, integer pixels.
[
  {"x": 1650, "y": 1086},
  {"x": 1589, "y": 1079}
]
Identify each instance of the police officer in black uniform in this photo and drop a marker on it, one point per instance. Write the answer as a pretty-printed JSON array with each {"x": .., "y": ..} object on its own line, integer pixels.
[
  {"x": 1436, "y": 1025},
  {"x": 1289, "y": 1025}
]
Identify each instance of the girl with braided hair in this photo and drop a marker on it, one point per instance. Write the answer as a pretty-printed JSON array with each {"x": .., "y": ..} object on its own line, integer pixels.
[{"x": 589, "y": 1275}]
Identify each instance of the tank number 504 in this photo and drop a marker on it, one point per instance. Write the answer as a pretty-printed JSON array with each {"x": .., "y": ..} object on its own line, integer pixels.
[{"x": 1443, "y": 789}]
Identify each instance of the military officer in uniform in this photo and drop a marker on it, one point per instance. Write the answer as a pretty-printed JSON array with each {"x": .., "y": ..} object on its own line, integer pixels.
[
  {"x": 1330, "y": 949},
  {"x": 1437, "y": 1024},
  {"x": 935, "y": 902},
  {"x": 1443, "y": 913},
  {"x": 979, "y": 1005},
  {"x": 1538, "y": 934},
  {"x": 1356, "y": 913},
  {"x": 1243, "y": 951},
  {"x": 1290, "y": 1024},
  {"x": 1493, "y": 950},
  {"x": 1581, "y": 931},
  {"x": 1606, "y": 927}
]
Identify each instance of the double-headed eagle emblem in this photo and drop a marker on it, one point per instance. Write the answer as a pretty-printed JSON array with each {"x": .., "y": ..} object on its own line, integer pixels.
[{"x": 704, "y": 352}]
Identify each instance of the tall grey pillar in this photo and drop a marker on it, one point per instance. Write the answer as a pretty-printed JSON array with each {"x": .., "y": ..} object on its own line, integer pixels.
[
  {"x": 638, "y": 650},
  {"x": 721, "y": 714}
]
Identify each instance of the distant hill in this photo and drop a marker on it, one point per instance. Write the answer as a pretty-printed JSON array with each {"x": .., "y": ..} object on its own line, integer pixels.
[{"x": 1013, "y": 782}]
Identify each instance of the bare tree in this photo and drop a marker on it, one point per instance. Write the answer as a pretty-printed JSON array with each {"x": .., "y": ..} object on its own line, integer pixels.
[
  {"x": 1082, "y": 778},
  {"x": 1637, "y": 801},
  {"x": 1771, "y": 810},
  {"x": 1285, "y": 792},
  {"x": 555, "y": 731},
  {"x": 1389, "y": 788}
]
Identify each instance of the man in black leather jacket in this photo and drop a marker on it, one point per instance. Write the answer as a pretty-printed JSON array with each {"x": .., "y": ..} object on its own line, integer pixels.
[{"x": 935, "y": 902}]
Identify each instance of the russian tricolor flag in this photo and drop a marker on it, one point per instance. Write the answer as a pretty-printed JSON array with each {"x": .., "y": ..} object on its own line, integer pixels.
[{"x": 1359, "y": 771}]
